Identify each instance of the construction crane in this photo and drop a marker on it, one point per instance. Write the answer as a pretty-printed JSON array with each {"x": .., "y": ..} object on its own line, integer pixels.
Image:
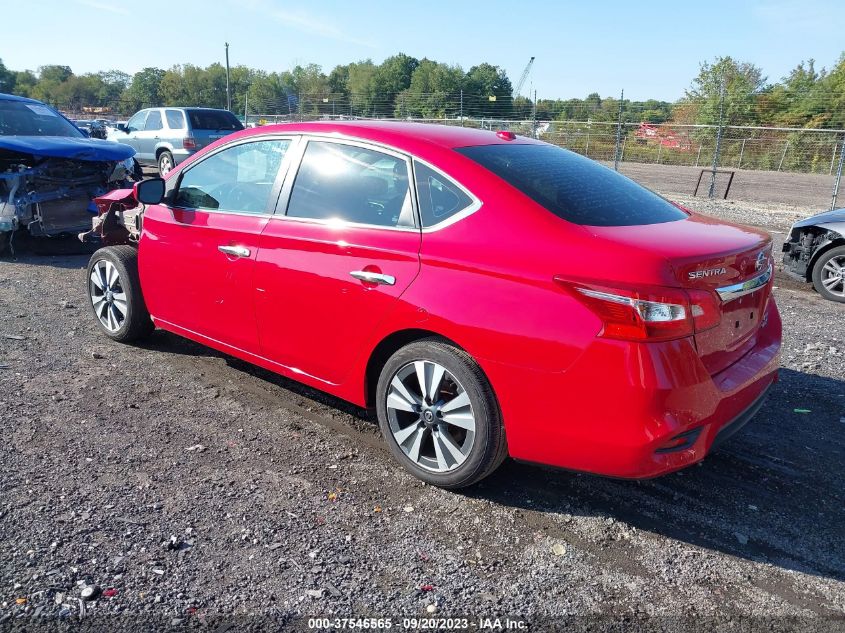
[{"x": 522, "y": 79}]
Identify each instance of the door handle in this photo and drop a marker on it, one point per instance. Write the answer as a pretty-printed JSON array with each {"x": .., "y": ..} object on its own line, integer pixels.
[
  {"x": 373, "y": 278},
  {"x": 236, "y": 251}
]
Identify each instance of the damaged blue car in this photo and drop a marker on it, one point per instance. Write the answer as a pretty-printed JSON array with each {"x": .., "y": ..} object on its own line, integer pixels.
[{"x": 50, "y": 171}]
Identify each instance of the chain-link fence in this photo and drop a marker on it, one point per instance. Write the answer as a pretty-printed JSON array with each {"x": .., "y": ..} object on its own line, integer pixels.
[{"x": 622, "y": 137}]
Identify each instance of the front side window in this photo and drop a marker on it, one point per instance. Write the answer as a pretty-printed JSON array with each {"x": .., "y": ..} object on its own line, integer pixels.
[
  {"x": 439, "y": 197},
  {"x": 237, "y": 179},
  {"x": 573, "y": 187},
  {"x": 353, "y": 184},
  {"x": 136, "y": 122},
  {"x": 175, "y": 119},
  {"x": 153, "y": 121}
]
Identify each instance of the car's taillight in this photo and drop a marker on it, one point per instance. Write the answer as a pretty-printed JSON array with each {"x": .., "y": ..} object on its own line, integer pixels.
[
  {"x": 189, "y": 143},
  {"x": 651, "y": 314},
  {"x": 704, "y": 307}
]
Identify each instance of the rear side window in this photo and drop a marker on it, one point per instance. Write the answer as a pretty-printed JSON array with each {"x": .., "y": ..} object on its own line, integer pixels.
[
  {"x": 175, "y": 119},
  {"x": 574, "y": 188},
  {"x": 353, "y": 184},
  {"x": 153, "y": 121},
  {"x": 213, "y": 120},
  {"x": 439, "y": 197}
]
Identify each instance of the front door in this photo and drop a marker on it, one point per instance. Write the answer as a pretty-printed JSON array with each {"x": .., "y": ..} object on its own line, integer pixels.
[
  {"x": 197, "y": 255},
  {"x": 147, "y": 139},
  {"x": 335, "y": 259}
]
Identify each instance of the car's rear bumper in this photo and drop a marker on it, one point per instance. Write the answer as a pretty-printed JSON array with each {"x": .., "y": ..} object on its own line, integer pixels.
[{"x": 634, "y": 410}]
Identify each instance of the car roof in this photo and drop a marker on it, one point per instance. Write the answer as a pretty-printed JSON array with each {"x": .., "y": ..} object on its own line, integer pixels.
[
  {"x": 399, "y": 134},
  {"x": 7, "y": 97}
]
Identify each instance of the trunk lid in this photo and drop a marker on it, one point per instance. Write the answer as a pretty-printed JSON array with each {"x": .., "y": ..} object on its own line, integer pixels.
[{"x": 702, "y": 253}]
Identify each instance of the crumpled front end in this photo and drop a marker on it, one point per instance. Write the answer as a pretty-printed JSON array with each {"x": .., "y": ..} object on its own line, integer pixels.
[
  {"x": 53, "y": 195},
  {"x": 808, "y": 239}
]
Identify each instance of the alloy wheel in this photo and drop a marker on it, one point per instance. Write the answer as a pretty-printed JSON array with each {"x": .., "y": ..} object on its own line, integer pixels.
[
  {"x": 165, "y": 165},
  {"x": 833, "y": 276},
  {"x": 107, "y": 295},
  {"x": 430, "y": 416}
]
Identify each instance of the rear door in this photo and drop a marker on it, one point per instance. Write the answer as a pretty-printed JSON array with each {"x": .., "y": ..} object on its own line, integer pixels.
[
  {"x": 198, "y": 254},
  {"x": 341, "y": 249},
  {"x": 208, "y": 125}
]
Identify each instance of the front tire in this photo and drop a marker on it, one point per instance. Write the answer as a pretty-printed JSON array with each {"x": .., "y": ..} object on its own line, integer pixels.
[
  {"x": 114, "y": 294},
  {"x": 439, "y": 416},
  {"x": 165, "y": 163},
  {"x": 829, "y": 274}
]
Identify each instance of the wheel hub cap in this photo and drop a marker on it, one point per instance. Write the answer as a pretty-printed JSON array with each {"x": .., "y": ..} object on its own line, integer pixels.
[
  {"x": 430, "y": 416},
  {"x": 107, "y": 295}
]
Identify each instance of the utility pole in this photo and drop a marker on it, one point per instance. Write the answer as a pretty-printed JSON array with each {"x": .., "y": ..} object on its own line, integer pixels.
[
  {"x": 228, "y": 93},
  {"x": 711, "y": 193},
  {"x": 534, "y": 117},
  {"x": 462, "y": 107},
  {"x": 616, "y": 153}
]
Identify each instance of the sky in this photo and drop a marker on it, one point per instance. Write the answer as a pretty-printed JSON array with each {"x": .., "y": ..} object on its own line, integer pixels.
[{"x": 649, "y": 49}]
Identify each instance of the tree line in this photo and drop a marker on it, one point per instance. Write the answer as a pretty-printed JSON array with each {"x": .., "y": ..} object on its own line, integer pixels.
[{"x": 404, "y": 86}]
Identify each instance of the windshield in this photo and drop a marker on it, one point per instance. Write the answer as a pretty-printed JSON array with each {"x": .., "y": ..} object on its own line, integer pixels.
[
  {"x": 213, "y": 120},
  {"x": 574, "y": 188},
  {"x": 19, "y": 118}
]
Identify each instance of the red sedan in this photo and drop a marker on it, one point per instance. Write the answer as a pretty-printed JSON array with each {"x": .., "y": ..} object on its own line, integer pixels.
[{"x": 487, "y": 294}]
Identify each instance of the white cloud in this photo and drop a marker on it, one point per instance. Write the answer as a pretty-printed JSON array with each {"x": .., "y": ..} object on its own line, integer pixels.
[
  {"x": 300, "y": 20},
  {"x": 104, "y": 6}
]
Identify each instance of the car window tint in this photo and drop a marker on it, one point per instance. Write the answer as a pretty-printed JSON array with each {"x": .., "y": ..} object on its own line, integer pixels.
[
  {"x": 354, "y": 184},
  {"x": 136, "y": 122},
  {"x": 153, "y": 121},
  {"x": 439, "y": 198},
  {"x": 237, "y": 179},
  {"x": 175, "y": 119},
  {"x": 214, "y": 120},
  {"x": 573, "y": 187}
]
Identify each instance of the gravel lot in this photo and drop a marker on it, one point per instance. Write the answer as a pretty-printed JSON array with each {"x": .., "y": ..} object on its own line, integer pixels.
[{"x": 186, "y": 489}]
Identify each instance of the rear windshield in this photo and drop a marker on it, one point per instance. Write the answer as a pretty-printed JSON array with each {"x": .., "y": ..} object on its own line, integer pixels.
[
  {"x": 19, "y": 118},
  {"x": 213, "y": 120},
  {"x": 574, "y": 188}
]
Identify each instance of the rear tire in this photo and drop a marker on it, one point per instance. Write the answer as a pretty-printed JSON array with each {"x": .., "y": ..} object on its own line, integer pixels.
[
  {"x": 825, "y": 274},
  {"x": 165, "y": 163},
  {"x": 448, "y": 433},
  {"x": 114, "y": 294}
]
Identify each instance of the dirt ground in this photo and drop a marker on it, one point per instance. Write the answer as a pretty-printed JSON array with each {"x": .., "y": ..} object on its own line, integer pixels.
[
  {"x": 186, "y": 489},
  {"x": 811, "y": 192}
]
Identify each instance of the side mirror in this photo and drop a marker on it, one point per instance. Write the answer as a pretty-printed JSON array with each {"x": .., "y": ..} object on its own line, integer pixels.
[
  {"x": 149, "y": 191},
  {"x": 122, "y": 127}
]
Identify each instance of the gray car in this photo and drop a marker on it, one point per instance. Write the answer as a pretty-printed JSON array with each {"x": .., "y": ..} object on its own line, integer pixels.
[
  {"x": 164, "y": 137},
  {"x": 815, "y": 252}
]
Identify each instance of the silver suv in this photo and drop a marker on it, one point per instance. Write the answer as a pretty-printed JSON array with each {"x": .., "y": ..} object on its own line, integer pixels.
[{"x": 164, "y": 137}]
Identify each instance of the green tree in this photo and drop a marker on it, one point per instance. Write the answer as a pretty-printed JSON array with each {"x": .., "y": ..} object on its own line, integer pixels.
[
  {"x": 433, "y": 87},
  {"x": 25, "y": 81},
  {"x": 145, "y": 89},
  {"x": 7, "y": 78},
  {"x": 488, "y": 92},
  {"x": 362, "y": 88},
  {"x": 743, "y": 82}
]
